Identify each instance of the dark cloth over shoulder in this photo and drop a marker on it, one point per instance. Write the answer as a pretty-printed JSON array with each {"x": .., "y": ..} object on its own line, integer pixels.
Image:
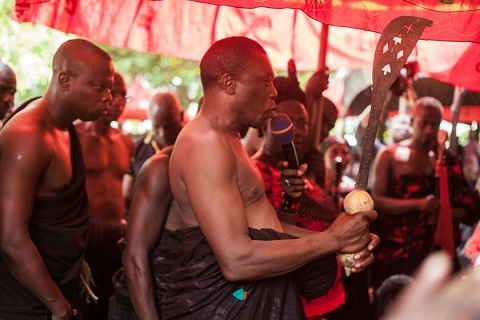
[
  {"x": 198, "y": 289},
  {"x": 143, "y": 150},
  {"x": 59, "y": 230},
  {"x": 163, "y": 259}
]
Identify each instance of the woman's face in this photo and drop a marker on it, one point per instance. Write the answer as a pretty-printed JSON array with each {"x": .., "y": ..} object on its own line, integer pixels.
[{"x": 337, "y": 152}]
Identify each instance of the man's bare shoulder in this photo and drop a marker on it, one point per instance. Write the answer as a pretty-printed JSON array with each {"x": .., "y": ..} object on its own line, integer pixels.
[
  {"x": 24, "y": 126},
  {"x": 198, "y": 134},
  {"x": 156, "y": 165},
  {"x": 23, "y": 139},
  {"x": 389, "y": 150}
]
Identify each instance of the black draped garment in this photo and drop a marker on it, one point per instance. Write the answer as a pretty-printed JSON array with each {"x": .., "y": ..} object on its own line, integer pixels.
[
  {"x": 163, "y": 259},
  {"x": 198, "y": 289},
  {"x": 407, "y": 239},
  {"x": 59, "y": 230}
]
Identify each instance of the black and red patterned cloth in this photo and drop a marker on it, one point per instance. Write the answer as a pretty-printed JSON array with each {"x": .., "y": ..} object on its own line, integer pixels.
[{"x": 407, "y": 239}]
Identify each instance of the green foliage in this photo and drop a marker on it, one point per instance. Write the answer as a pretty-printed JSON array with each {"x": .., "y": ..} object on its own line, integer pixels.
[{"x": 29, "y": 49}]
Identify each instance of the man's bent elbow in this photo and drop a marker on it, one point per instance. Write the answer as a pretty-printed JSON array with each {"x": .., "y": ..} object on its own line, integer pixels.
[
  {"x": 236, "y": 270},
  {"x": 233, "y": 275}
]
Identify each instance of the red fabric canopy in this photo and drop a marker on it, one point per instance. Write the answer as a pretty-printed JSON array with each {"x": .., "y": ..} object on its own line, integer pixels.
[
  {"x": 186, "y": 29},
  {"x": 452, "y": 20}
]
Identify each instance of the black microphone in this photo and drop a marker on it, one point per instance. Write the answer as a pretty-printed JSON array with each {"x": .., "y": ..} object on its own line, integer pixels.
[{"x": 282, "y": 130}]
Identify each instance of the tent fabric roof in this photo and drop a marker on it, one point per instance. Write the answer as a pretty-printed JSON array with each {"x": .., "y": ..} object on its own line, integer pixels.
[
  {"x": 452, "y": 20},
  {"x": 185, "y": 29}
]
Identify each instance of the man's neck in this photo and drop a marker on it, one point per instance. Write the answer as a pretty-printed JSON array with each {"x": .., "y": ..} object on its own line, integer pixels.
[{"x": 101, "y": 127}]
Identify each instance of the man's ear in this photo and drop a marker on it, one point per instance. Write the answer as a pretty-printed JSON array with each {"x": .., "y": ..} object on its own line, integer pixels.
[
  {"x": 64, "y": 80},
  {"x": 229, "y": 83}
]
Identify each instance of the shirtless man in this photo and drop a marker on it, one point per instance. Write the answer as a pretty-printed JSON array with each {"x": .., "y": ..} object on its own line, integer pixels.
[
  {"x": 8, "y": 87},
  {"x": 150, "y": 253},
  {"x": 107, "y": 152},
  {"x": 43, "y": 203},
  {"x": 403, "y": 187},
  {"x": 221, "y": 195},
  {"x": 166, "y": 114}
]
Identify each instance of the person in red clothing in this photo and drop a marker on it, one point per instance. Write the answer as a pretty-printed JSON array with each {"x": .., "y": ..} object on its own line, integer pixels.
[
  {"x": 404, "y": 187},
  {"x": 317, "y": 210}
]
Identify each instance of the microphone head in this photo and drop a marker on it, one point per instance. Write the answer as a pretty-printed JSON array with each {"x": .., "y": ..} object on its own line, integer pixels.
[{"x": 282, "y": 128}]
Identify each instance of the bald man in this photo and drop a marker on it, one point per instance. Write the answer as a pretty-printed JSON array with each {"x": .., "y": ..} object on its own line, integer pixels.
[
  {"x": 404, "y": 187},
  {"x": 107, "y": 152},
  {"x": 8, "y": 88},
  {"x": 44, "y": 217},
  {"x": 165, "y": 113},
  {"x": 228, "y": 270}
]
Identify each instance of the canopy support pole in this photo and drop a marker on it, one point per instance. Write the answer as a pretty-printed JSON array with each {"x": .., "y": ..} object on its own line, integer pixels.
[{"x": 458, "y": 94}]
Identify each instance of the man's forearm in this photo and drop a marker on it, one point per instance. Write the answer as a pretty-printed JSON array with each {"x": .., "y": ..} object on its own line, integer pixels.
[
  {"x": 140, "y": 286},
  {"x": 296, "y": 231},
  {"x": 26, "y": 265}
]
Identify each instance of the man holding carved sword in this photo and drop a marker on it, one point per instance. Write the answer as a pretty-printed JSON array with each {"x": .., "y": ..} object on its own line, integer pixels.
[{"x": 234, "y": 233}]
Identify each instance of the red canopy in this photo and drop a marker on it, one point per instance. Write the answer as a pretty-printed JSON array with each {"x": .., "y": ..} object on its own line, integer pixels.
[
  {"x": 452, "y": 20},
  {"x": 186, "y": 29}
]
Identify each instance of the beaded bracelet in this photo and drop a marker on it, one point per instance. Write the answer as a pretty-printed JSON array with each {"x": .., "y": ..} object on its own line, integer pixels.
[{"x": 290, "y": 204}]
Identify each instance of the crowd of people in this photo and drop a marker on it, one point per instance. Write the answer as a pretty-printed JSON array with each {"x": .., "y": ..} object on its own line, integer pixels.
[{"x": 193, "y": 221}]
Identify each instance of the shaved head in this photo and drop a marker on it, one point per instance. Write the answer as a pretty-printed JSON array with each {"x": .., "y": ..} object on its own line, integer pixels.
[
  {"x": 164, "y": 102},
  {"x": 428, "y": 102},
  {"x": 6, "y": 70},
  {"x": 230, "y": 55},
  {"x": 7, "y": 76},
  {"x": 8, "y": 87},
  {"x": 166, "y": 114},
  {"x": 75, "y": 56},
  {"x": 82, "y": 80}
]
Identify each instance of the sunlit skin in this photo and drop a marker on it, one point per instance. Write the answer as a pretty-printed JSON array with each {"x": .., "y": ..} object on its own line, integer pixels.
[
  {"x": 220, "y": 189},
  {"x": 414, "y": 156},
  {"x": 35, "y": 159},
  {"x": 107, "y": 152},
  {"x": 153, "y": 210}
]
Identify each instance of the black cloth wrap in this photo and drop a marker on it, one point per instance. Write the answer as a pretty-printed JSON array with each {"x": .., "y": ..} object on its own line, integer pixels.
[
  {"x": 59, "y": 229},
  {"x": 163, "y": 259},
  {"x": 198, "y": 289}
]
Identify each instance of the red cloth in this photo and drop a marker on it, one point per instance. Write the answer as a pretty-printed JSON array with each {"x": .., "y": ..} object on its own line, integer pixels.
[
  {"x": 444, "y": 237},
  {"x": 185, "y": 29},
  {"x": 335, "y": 297}
]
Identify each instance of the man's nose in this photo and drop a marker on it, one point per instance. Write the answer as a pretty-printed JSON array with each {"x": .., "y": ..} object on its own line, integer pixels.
[
  {"x": 274, "y": 92},
  {"x": 107, "y": 97}
]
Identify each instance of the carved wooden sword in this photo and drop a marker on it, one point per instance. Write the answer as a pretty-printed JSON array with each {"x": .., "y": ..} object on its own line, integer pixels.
[{"x": 392, "y": 51}]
